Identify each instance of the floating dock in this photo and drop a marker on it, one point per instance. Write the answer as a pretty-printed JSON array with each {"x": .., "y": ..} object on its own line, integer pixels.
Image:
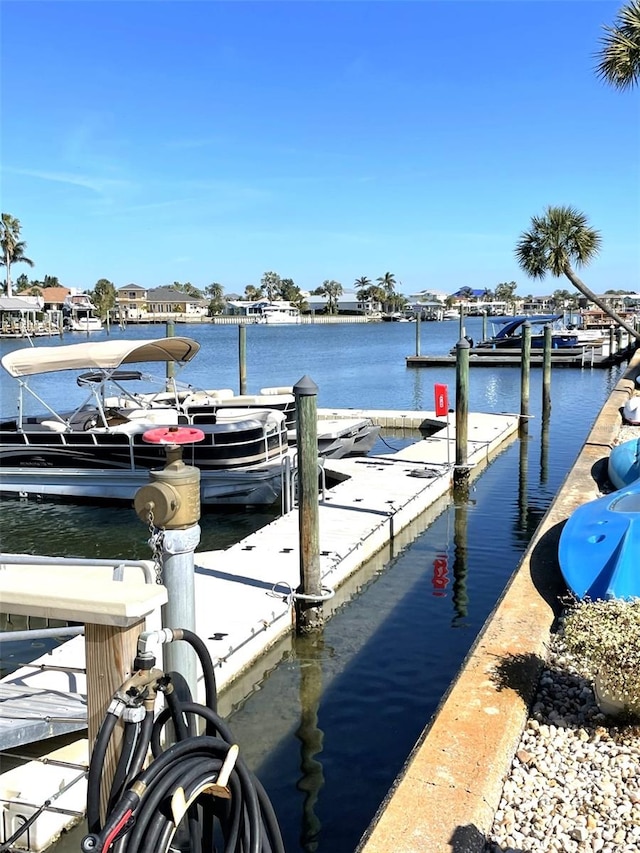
[
  {"x": 244, "y": 594},
  {"x": 584, "y": 356}
]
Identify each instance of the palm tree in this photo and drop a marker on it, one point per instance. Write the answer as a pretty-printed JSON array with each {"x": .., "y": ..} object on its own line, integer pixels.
[
  {"x": 557, "y": 239},
  {"x": 619, "y": 58},
  {"x": 362, "y": 283},
  {"x": 12, "y": 246},
  {"x": 387, "y": 283}
]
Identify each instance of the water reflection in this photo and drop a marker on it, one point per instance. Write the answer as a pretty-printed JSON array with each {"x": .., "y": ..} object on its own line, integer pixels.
[
  {"x": 460, "y": 527},
  {"x": 523, "y": 477},
  {"x": 544, "y": 446},
  {"x": 310, "y": 736}
]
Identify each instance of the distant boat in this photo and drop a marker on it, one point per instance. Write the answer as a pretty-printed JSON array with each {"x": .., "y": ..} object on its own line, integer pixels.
[
  {"x": 599, "y": 546},
  {"x": 451, "y": 315},
  {"x": 624, "y": 463},
  {"x": 508, "y": 332},
  {"x": 278, "y": 312},
  {"x": 79, "y": 314}
]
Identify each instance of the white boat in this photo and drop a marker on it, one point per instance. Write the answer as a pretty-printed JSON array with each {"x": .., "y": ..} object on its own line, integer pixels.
[
  {"x": 336, "y": 437},
  {"x": 97, "y": 449},
  {"x": 79, "y": 314},
  {"x": 279, "y": 312}
]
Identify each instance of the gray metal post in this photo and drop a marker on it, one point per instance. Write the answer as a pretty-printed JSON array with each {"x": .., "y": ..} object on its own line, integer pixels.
[
  {"x": 178, "y": 575},
  {"x": 546, "y": 371},
  {"x": 418, "y": 332},
  {"x": 484, "y": 325},
  {"x": 242, "y": 357},
  {"x": 525, "y": 370},
  {"x": 461, "y": 471},
  {"x": 308, "y": 608}
]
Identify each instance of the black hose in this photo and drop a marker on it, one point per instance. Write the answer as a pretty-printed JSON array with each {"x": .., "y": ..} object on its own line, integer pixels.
[{"x": 140, "y": 818}]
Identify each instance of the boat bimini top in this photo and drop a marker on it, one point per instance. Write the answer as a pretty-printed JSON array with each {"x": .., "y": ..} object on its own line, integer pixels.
[{"x": 101, "y": 355}]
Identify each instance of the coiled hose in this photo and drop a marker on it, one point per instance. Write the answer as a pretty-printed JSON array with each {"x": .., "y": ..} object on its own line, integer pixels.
[{"x": 196, "y": 796}]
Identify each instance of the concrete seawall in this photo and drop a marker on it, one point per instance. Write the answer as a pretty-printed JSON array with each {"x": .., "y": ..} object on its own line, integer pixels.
[{"x": 447, "y": 794}]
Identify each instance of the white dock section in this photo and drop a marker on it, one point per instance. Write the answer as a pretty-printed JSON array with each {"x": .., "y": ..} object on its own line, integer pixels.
[
  {"x": 244, "y": 603},
  {"x": 244, "y": 594}
]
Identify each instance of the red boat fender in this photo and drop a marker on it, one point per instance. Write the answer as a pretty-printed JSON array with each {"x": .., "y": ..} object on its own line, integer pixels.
[{"x": 173, "y": 435}]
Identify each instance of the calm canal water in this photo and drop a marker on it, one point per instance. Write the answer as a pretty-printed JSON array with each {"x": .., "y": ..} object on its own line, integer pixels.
[{"x": 329, "y": 728}]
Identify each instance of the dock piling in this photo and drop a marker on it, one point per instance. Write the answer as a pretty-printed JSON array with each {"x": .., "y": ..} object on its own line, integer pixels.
[
  {"x": 308, "y": 608},
  {"x": 461, "y": 471},
  {"x": 525, "y": 371},
  {"x": 171, "y": 367},
  {"x": 546, "y": 371},
  {"x": 242, "y": 357}
]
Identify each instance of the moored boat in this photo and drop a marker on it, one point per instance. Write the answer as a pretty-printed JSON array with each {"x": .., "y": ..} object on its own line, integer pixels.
[
  {"x": 97, "y": 450},
  {"x": 599, "y": 546},
  {"x": 508, "y": 332},
  {"x": 79, "y": 314}
]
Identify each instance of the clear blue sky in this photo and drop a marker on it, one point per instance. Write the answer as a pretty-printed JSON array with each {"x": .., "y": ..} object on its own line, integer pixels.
[{"x": 207, "y": 141}]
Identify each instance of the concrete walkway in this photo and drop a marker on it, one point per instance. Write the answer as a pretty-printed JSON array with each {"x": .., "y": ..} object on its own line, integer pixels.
[{"x": 448, "y": 792}]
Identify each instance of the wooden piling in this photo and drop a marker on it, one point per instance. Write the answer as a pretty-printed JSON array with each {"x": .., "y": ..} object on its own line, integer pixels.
[
  {"x": 546, "y": 371},
  {"x": 461, "y": 470},
  {"x": 525, "y": 370},
  {"x": 242, "y": 358},
  {"x": 171, "y": 367},
  {"x": 309, "y": 615},
  {"x": 418, "y": 332}
]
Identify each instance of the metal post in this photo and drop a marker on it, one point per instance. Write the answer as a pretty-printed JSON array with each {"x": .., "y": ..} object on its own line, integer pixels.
[
  {"x": 461, "y": 471},
  {"x": 242, "y": 357},
  {"x": 418, "y": 332},
  {"x": 546, "y": 371},
  {"x": 484, "y": 325},
  {"x": 612, "y": 341},
  {"x": 178, "y": 575},
  {"x": 308, "y": 608},
  {"x": 525, "y": 371}
]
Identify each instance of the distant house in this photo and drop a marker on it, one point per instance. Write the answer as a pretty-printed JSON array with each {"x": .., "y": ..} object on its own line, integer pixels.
[
  {"x": 53, "y": 297},
  {"x": 138, "y": 303},
  {"x": 131, "y": 302},
  {"x": 348, "y": 303}
]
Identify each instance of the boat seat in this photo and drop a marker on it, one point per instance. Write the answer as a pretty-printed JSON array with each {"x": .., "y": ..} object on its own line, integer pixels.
[
  {"x": 207, "y": 398},
  {"x": 277, "y": 389},
  {"x": 161, "y": 415},
  {"x": 52, "y": 425}
]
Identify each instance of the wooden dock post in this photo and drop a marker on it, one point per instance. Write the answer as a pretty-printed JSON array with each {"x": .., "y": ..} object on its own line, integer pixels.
[
  {"x": 171, "y": 367},
  {"x": 461, "y": 470},
  {"x": 418, "y": 313},
  {"x": 242, "y": 357},
  {"x": 612, "y": 340},
  {"x": 525, "y": 371},
  {"x": 546, "y": 371},
  {"x": 484, "y": 325},
  {"x": 308, "y": 605}
]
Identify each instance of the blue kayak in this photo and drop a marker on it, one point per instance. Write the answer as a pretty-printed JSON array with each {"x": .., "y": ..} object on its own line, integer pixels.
[
  {"x": 600, "y": 544},
  {"x": 624, "y": 463}
]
